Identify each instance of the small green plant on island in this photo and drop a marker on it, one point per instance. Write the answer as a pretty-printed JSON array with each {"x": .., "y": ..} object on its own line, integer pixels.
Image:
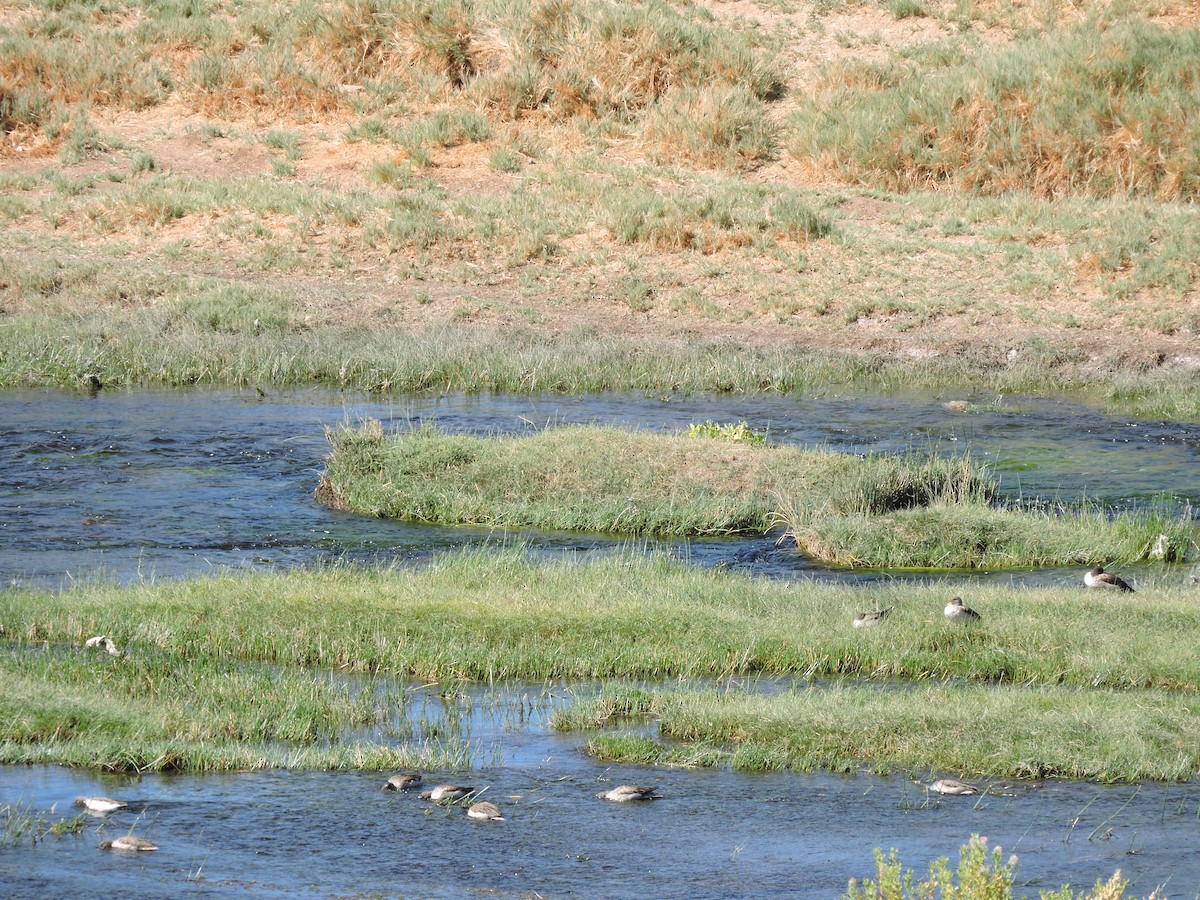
[
  {"x": 726, "y": 431},
  {"x": 980, "y": 876}
]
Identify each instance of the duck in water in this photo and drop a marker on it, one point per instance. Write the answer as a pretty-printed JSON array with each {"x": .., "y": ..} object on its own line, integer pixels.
[
  {"x": 128, "y": 842},
  {"x": 405, "y": 781},
  {"x": 953, "y": 788},
  {"x": 99, "y": 804},
  {"x": 626, "y": 793},
  {"x": 485, "y": 810},
  {"x": 446, "y": 792}
]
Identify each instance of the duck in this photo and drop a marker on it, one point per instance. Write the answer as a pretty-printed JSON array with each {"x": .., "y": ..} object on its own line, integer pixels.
[
  {"x": 869, "y": 619},
  {"x": 100, "y": 804},
  {"x": 956, "y": 612},
  {"x": 446, "y": 792},
  {"x": 1096, "y": 577},
  {"x": 953, "y": 788},
  {"x": 128, "y": 842},
  {"x": 405, "y": 781},
  {"x": 103, "y": 640},
  {"x": 625, "y": 793},
  {"x": 485, "y": 810}
]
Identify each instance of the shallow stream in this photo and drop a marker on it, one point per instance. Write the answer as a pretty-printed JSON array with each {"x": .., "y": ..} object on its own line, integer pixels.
[
  {"x": 713, "y": 834},
  {"x": 165, "y": 484}
]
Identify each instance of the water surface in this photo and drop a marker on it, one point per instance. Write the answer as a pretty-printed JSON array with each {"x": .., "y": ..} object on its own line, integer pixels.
[
  {"x": 165, "y": 484},
  {"x": 714, "y": 833}
]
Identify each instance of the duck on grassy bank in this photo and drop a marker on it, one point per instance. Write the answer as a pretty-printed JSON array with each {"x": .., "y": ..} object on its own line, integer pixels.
[
  {"x": 957, "y": 612},
  {"x": 1096, "y": 577},
  {"x": 870, "y": 619},
  {"x": 103, "y": 640},
  {"x": 627, "y": 793}
]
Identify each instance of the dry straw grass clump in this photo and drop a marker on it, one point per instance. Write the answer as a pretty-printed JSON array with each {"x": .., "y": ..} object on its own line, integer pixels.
[
  {"x": 724, "y": 126},
  {"x": 379, "y": 39},
  {"x": 1109, "y": 107},
  {"x": 590, "y": 58},
  {"x": 713, "y": 219},
  {"x": 560, "y": 59},
  {"x": 598, "y": 58}
]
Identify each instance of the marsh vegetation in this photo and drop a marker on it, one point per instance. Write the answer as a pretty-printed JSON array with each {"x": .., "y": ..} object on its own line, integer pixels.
[
  {"x": 553, "y": 197},
  {"x": 20, "y": 821},
  {"x": 915, "y": 511},
  {"x": 233, "y": 671},
  {"x": 980, "y": 874}
]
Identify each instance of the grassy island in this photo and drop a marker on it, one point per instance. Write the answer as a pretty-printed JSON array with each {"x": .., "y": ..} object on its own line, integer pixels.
[{"x": 909, "y": 511}]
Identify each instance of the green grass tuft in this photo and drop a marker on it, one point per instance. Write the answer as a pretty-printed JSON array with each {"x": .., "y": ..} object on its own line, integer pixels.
[
  {"x": 1047, "y": 732},
  {"x": 19, "y": 822}
]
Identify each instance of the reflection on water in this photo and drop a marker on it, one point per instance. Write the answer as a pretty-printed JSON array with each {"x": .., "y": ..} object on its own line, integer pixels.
[
  {"x": 714, "y": 834},
  {"x": 155, "y": 483}
]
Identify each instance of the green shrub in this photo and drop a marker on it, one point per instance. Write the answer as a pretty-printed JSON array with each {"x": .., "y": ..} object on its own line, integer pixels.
[
  {"x": 979, "y": 877},
  {"x": 727, "y": 431}
]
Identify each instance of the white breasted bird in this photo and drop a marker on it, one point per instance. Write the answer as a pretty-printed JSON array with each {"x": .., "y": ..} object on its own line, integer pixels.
[
  {"x": 953, "y": 788},
  {"x": 485, "y": 810},
  {"x": 100, "y": 804},
  {"x": 128, "y": 842},
  {"x": 446, "y": 792},
  {"x": 1096, "y": 577},
  {"x": 405, "y": 781},
  {"x": 103, "y": 640},
  {"x": 957, "y": 612}
]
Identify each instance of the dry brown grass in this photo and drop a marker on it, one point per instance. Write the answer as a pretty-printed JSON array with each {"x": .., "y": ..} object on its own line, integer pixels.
[{"x": 587, "y": 123}]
